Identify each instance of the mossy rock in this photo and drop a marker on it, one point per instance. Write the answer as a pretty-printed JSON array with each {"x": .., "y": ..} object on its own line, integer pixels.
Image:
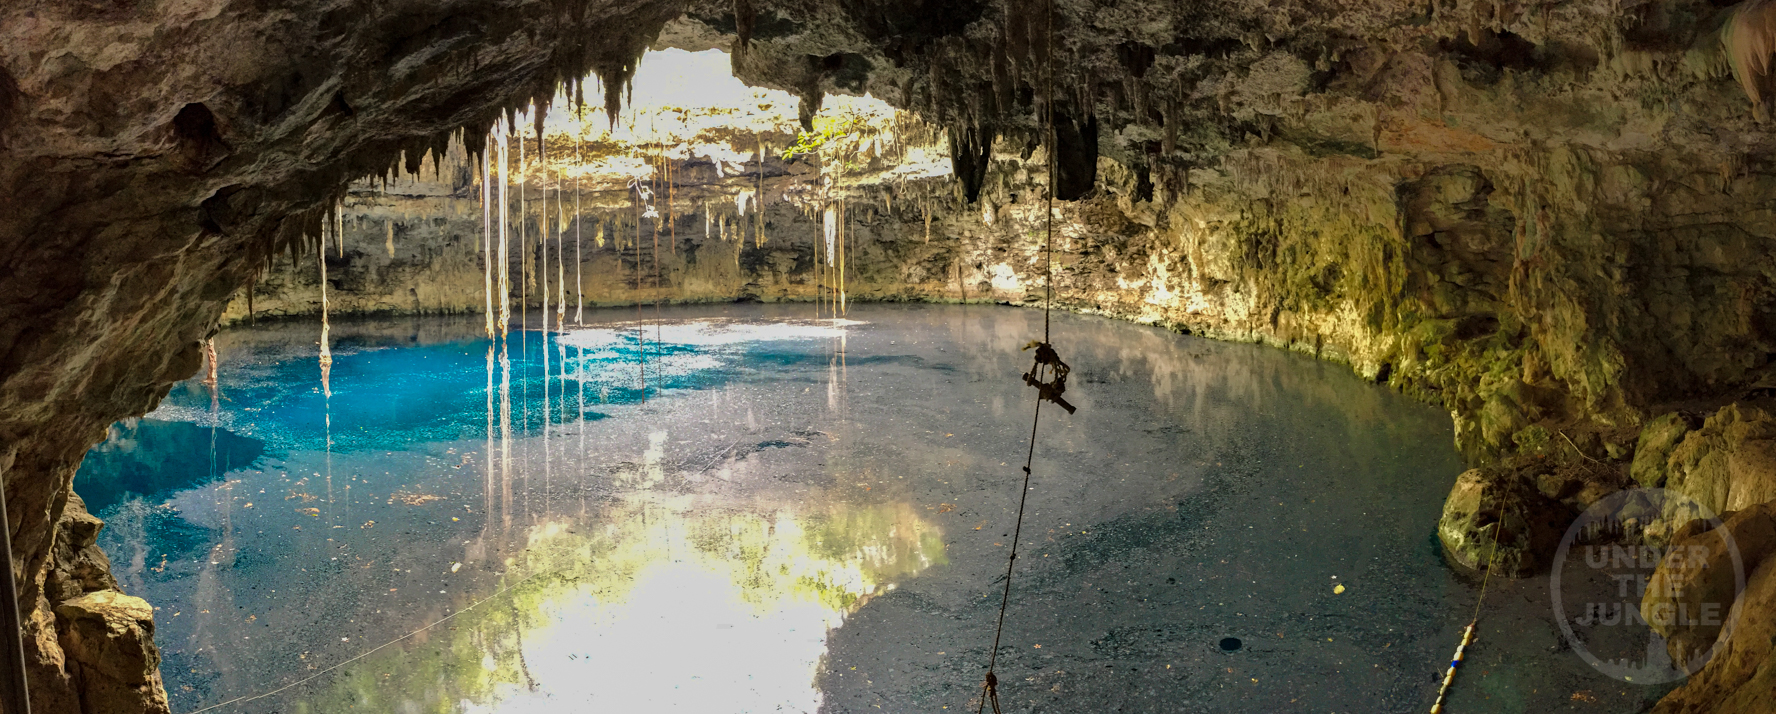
[
  {"x": 1657, "y": 439},
  {"x": 1496, "y": 517}
]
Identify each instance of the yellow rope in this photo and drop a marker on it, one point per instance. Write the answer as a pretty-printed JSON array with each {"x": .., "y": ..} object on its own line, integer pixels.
[{"x": 1474, "y": 623}]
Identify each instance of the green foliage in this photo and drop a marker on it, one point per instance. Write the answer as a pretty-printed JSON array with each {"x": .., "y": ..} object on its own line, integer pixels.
[{"x": 841, "y": 134}]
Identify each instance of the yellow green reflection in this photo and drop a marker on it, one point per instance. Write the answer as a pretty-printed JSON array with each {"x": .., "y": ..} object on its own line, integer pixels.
[{"x": 658, "y": 603}]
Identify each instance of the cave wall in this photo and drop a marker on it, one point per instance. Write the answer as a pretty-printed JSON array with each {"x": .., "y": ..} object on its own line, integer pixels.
[{"x": 1551, "y": 317}]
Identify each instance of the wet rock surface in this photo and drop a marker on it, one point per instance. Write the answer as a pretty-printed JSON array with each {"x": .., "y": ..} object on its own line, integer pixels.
[
  {"x": 1739, "y": 679},
  {"x": 1497, "y": 519}
]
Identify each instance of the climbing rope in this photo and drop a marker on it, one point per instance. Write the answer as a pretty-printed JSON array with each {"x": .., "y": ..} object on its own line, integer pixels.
[
  {"x": 1473, "y": 623},
  {"x": 1047, "y": 360}
]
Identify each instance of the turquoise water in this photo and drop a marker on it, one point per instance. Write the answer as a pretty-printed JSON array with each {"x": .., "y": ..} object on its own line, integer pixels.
[{"x": 738, "y": 508}]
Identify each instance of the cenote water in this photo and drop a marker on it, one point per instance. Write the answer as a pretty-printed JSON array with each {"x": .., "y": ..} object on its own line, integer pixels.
[{"x": 775, "y": 513}]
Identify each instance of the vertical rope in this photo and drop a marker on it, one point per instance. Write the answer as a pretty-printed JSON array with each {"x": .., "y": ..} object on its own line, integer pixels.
[
  {"x": 523, "y": 245},
  {"x": 1053, "y": 168},
  {"x": 990, "y": 689},
  {"x": 579, "y": 257}
]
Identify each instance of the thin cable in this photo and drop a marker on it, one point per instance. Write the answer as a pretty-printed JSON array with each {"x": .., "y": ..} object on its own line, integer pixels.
[
  {"x": 366, "y": 653},
  {"x": 1053, "y": 167},
  {"x": 1490, "y": 559}
]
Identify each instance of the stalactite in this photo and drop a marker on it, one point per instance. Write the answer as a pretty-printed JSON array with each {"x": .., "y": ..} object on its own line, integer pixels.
[
  {"x": 843, "y": 307},
  {"x": 487, "y": 265},
  {"x": 656, "y": 235},
  {"x": 830, "y": 229},
  {"x": 560, "y": 253},
  {"x": 635, "y": 199},
  {"x": 819, "y": 275},
  {"x": 505, "y": 265},
  {"x": 524, "y": 275},
  {"x": 759, "y": 194},
  {"x": 326, "y": 340},
  {"x": 543, "y": 245},
  {"x": 209, "y": 379},
  {"x": 671, "y": 202},
  {"x": 579, "y": 258}
]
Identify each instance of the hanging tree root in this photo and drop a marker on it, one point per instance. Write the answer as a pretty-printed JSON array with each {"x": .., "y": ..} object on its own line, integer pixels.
[{"x": 1053, "y": 389}]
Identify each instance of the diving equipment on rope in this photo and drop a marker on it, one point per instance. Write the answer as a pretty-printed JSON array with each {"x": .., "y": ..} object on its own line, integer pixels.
[{"x": 1053, "y": 389}]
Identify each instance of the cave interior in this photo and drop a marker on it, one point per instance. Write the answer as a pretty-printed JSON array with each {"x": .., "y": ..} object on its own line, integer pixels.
[{"x": 860, "y": 355}]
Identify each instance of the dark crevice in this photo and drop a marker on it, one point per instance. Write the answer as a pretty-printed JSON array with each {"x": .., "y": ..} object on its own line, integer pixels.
[
  {"x": 200, "y": 140},
  {"x": 9, "y": 102},
  {"x": 971, "y": 151},
  {"x": 1075, "y": 155}
]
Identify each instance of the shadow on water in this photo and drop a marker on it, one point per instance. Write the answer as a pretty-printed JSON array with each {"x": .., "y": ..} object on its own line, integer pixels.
[{"x": 150, "y": 458}]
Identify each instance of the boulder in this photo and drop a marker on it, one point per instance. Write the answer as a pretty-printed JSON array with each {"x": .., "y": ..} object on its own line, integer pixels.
[
  {"x": 1653, "y": 450},
  {"x": 78, "y": 566},
  {"x": 1730, "y": 463},
  {"x": 1741, "y": 677},
  {"x": 1695, "y": 585},
  {"x": 107, "y": 638},
  {"x": 1502, "y": 508}
]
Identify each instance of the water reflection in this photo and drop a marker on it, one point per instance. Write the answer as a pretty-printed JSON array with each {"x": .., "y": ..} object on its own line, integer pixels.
[
  {"x": 149, "y": 458},
  {"x": 779, "y": 477},
  {"x": 659, "y": 603}
]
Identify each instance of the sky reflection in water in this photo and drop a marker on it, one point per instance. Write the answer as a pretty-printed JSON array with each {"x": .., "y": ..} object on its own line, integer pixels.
[{"x": 604, "y": 592}]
